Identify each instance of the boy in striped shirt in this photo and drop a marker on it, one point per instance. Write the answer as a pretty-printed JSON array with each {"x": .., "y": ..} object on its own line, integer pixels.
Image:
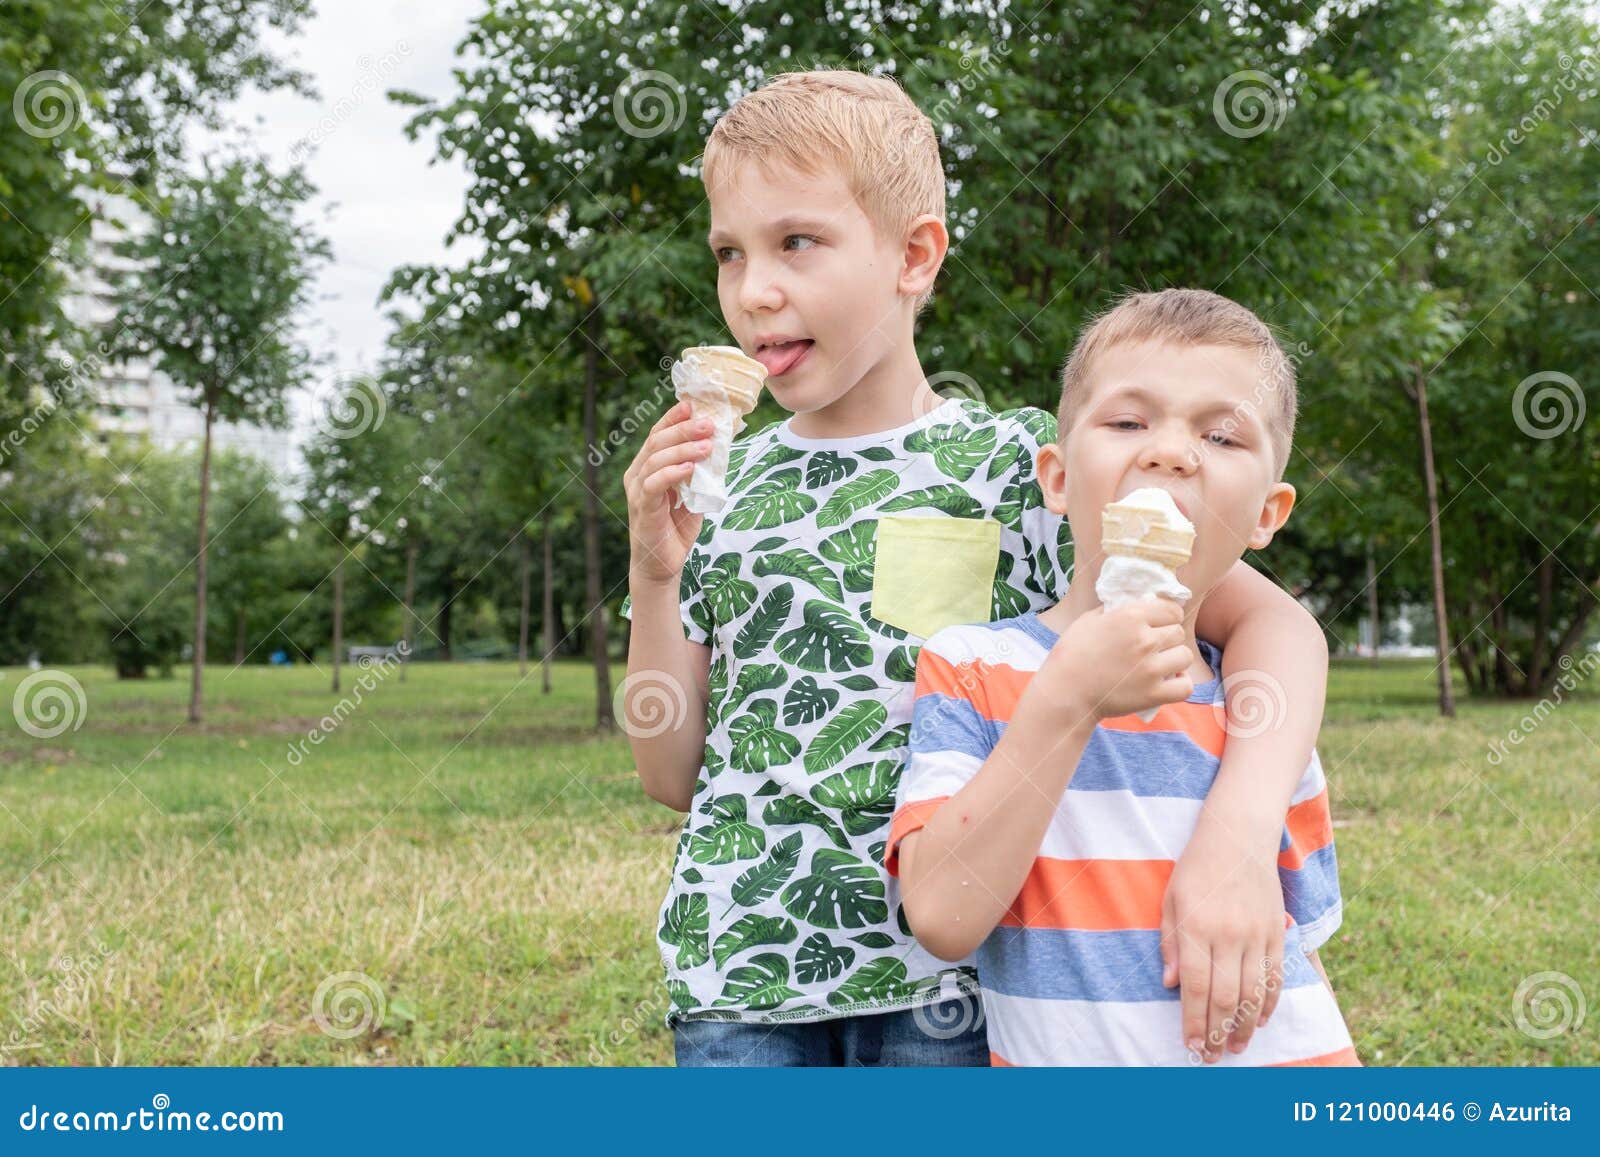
[{"x": 1039, "y": 818}]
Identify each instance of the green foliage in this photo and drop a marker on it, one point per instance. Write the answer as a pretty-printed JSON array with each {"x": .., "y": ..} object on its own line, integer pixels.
[{"x": 107, "y": 90}]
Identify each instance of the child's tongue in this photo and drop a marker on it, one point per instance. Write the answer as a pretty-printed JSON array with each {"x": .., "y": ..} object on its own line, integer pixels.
[{"x": 780, "y": 359}]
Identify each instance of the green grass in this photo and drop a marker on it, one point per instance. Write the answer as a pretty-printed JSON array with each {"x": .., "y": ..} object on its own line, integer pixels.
[{"x": 177, "y": 896}]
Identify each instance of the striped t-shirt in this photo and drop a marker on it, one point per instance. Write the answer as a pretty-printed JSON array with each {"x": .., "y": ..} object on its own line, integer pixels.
[{"x": 1072, "y": 973}]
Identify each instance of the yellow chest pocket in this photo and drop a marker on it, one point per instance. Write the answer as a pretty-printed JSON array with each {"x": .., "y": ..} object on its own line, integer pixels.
[{"x": 929, "y": 573}]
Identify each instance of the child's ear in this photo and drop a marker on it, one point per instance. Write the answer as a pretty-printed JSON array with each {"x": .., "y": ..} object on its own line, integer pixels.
[
  {"x": 1052, "y": 471},
  {"x": 926, "y": 244},
  {"x": 1274, "y": 513}
]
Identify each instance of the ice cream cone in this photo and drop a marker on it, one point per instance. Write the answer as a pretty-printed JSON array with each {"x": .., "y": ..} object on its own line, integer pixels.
[
  {"x": 1143, "y": 526},
  {"x": 1145, "y": 539},
  {"x": 721, "y": 386}
]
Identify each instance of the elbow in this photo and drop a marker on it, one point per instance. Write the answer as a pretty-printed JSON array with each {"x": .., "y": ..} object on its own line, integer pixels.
[
  {"x": 938, "y": 934},
  {"x": 678, "y": 801}
]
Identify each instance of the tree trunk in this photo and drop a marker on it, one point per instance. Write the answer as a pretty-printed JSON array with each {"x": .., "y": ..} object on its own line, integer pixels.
[
  {"x": 603, "y": 720},
  {"x": 526, "y": 559},
  {"x": 338, "y": 617},
  {"x": 549, "y": 615},
  {"x": 1571, "y": 637},
  {"x": 1447, "y": 697},
  {"x": 1472, "y": 662},
  {"x": 1372, "y": 601},
  {"x": 445, "y": 615},
  {"x": 1541, "y": 625},
  {"x": 1503, "y": 681},
  {"x": 198, "y": 667},
  {"x": 238, "y": 638},
  {"x": 409, "y": 632}
]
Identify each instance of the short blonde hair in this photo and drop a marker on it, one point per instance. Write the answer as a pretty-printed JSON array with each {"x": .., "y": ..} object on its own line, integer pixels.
[
  {"x": 1190, "y": 317},
  {"x": 867, "y": 126}
]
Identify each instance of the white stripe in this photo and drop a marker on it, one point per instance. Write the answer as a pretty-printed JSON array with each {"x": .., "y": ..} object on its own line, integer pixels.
[
  {"x": 1118, "y": 825},
  {"x": 929, "y": 775},
  {"x": 1315, "y": 934},
  {"x": 1312, "y": 781},
  {"x": 1086, "y": 825},
  {"x": 965, "y": 644},
  {"x": 1028, "y": 1031}
]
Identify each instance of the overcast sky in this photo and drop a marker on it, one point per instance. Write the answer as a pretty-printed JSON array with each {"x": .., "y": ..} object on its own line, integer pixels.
[{"x": 380, "y": 202}]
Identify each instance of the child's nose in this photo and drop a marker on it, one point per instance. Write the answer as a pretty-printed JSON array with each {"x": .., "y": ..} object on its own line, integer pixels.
[
  {"x": 1170, "y": 452},
  {"x": 759, "y": 290}
]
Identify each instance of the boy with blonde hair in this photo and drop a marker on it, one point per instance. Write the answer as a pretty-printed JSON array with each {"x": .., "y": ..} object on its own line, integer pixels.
[
  {"x": 1039, "y": 814},
  {"x": 790, "y": 622}
]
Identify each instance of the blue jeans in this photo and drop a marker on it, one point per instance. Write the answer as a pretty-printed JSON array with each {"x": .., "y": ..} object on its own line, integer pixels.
[{"x": 947, "y": 1032}]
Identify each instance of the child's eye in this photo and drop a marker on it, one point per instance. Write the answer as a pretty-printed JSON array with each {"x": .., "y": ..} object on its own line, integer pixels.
[
  {"x": 1220, "y": 438},
  {"x": 797, "y": 242},
  {"x": 725, "y": 254},
  {"x": 1125, "y": 424}
]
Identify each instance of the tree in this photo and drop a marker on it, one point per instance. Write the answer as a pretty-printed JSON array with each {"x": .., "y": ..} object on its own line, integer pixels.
[
  {"x": 214, "y": 288},
  {"x": 141, "y": 552},
  {"x": 252, "y": 524},
  {"x": 345, "y": 485},
  {"x": 50, "y": 486},
  {"x": 103, "y": 93}
]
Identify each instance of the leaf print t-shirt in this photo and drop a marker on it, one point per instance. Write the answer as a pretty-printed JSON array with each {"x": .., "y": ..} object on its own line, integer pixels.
[{"x": 815, "y": 588}]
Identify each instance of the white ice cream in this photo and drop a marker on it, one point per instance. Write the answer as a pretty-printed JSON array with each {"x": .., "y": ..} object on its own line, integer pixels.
[
  {"x": 721, "y": 386},
  {"x": 1125, "y": 577}
]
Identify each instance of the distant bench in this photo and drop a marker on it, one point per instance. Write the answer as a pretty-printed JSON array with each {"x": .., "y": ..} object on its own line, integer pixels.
[{"x": 373, "y": 654}]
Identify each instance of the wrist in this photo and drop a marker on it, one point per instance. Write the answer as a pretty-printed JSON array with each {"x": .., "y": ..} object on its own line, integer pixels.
[
  {"x": 642, "y": 584},
  {"x": 1062, "y": 702},
  {"x": 1065, "y": 695},
  {"x": 1249, "y": 834}
]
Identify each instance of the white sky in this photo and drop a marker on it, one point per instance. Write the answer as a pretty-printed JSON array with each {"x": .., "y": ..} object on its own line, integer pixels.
[{"x": 379, "y": 202}]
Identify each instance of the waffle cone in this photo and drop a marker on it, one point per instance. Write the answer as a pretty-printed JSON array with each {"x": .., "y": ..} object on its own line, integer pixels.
[
  {"x": 1131, "y": 532},
  {"x": 741, "y": 378},
  {"x": 1170, "y": 557}
]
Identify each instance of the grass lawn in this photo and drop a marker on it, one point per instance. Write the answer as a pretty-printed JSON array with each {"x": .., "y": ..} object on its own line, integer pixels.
[{"x": 460, "y": 874}]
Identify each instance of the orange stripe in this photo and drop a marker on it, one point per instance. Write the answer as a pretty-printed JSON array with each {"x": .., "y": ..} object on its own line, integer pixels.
[
  {"x": 908, "y": 819},
  {"x": 993, "y": 688},
  {"x": 1346, "y": 1056},
  {"x": 1091, "y": 895},
  {"x": 999, "y": 1062},
  {"x": 1310, "y": 828},
  {"x": 1199, "y": 721}
]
